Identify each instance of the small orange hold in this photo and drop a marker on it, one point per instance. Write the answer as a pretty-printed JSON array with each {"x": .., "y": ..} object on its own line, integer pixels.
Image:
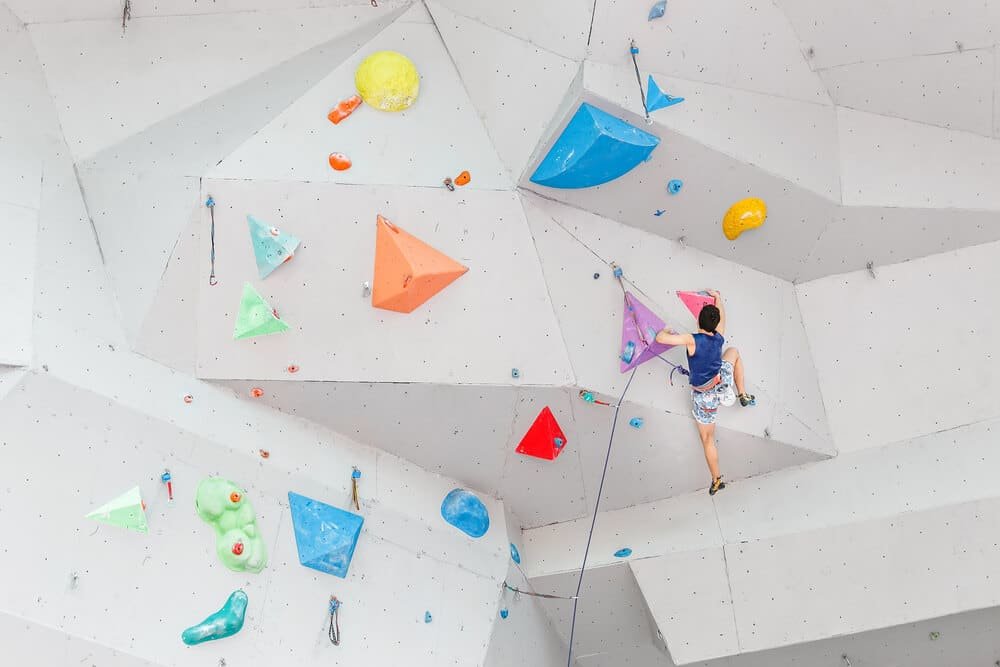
[
  {"x": 344, "y": 109},
  {"x": 256, "y": 392},
  {"x": 275, "y": 231},
  {"x": 238, "y": 549},
  {"x": 189, "y": 398},
  {"x": 340, "y": 162},
  {"x": 264, "y": 454},
  {"x": 463, "y": 178},
  {"x": 292, "y": 368},
  {"x": 234, "y": 497},
  {"x": 143, "y": 505}
]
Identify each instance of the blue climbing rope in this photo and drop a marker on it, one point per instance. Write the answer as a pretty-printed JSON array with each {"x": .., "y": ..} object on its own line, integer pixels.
[{"x": 593, "y": 521}]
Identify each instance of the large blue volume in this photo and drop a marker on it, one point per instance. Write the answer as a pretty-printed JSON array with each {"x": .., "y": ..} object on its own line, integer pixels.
[
  {"x": 594, "y": 148},
  {"x": 324, "y": 535},
  {"x": 466, "y": 512}
]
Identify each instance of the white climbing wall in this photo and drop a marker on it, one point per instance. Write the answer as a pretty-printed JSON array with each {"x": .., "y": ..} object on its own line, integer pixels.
[{"x": 859, "y": 521}]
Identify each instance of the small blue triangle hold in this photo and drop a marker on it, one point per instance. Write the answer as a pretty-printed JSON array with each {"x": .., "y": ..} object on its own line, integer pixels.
[
  {"x": 325, "y": 536},
  {"x": 656, "y": 98},
  {"x": 271, "y": 246}
]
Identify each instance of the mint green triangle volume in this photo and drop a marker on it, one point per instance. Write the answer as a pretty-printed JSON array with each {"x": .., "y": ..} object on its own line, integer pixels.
[
  {"x": 256, "y": 318},
  {"x": 125, "y": 511}
]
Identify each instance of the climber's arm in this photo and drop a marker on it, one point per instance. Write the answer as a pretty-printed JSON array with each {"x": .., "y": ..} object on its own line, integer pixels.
[
  {"x": 722, "y": 310},
  {"x": 669, "y": 337}
]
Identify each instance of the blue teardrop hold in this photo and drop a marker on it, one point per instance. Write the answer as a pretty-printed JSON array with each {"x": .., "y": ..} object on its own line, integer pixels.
[
  {"x": 515, "y": 555},
  {"x": 504, "y": 613},
  {"x": 674, "y": 186},
  {"x": 623, "y": 553},
  {"x": 635, "y": 422},
  {"x": 210, "y": 202},
  {"x": 427, "y": 617},
  {"x": 558, "y": 442}
]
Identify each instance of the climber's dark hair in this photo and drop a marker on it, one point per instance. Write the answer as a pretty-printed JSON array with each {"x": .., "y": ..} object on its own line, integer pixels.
[{"x": 709, "y": 318}]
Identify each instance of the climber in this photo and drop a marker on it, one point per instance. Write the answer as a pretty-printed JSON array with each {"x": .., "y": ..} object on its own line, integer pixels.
[{"x": 713, "y": 373}]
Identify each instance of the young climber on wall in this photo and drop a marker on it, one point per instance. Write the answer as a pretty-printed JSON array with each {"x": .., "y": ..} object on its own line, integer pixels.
[{"x": 713, "y": 373}]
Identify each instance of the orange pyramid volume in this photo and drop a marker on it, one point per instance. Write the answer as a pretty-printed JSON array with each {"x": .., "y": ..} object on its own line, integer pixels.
[
  {"x": 408, "y": 272},
  {"x": 544, "y": 440}
]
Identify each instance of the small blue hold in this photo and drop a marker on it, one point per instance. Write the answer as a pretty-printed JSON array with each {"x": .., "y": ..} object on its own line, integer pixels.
[
  {"x": 657, "y": 10},
  {"x": 356, "y": 474},
  {"x": 210, "y": 202},
  {"x": 634, "y": 50},
  {"x": 165, "y": 477},
  {"x": 618, "y": 272},
  {"x": 558, "y": 442},
  {"x": 427, "y": 617},
  {"x": 635, "y": 422},
  {"x": 504, "y": 613},
  {"x": 658, "y": 212},
  {"x": 674, "y": 186},
  {"x": 515, "y": 373},
  {"x": 334, "y": 605},
  {"x": 623, "y": 553},
  {"x": 629, "y": 352},
  {"x": 515, "y": 555},
  {"x": 587, "y": 396}
]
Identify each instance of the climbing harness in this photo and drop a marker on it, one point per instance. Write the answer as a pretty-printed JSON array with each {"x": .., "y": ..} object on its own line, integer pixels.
[
  {"x": 620, "y": 276},
  {"x": 334, "y": 632},
  {"x": 210, "y": 203},
  {"x": 634, "y": 50}
]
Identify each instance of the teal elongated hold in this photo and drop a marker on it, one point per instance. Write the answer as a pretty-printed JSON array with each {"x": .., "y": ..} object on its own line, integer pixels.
[{"x": 224, "y": 623}]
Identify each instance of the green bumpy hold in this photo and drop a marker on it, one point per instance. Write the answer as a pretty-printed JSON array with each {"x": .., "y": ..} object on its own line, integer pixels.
[{"x": 238, "y": 542}]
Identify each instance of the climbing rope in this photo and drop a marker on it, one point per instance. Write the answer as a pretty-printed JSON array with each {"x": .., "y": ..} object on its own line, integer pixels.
[
  {"x": 620, "y": 277},
  {"x": 634, "y": 50},
  {"x": 210, "y": 203},
  {"x": 593, "y": 521},
  {"x": 334, "y": 632}
]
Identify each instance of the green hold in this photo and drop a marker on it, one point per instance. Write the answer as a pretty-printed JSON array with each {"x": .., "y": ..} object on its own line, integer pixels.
[{"x": 238, "y": 542}]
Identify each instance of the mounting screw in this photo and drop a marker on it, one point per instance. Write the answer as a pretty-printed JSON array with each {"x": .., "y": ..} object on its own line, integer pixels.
[
  {"x": 366, "y": 289},
  {"x": 810, "y": 52}
]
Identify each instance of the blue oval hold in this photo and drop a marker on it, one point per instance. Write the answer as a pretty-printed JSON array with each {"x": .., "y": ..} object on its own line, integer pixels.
[
  {"x": 635, "y": 422},
  {"x": 623, "y": 553},
  {"x": 515, "y": 555},
  {"x": 466, "y": 512},
  {"x": 427, "y": 617},
  {"x": 674, "y": 186},
  {"x": 504, "y": 613}
]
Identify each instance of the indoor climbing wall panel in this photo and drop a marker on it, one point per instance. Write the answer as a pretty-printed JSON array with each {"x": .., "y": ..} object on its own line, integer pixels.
[
  {"x": 408, "y": 560},
  {"x": 133, "y": 181},
  {"x": 473, "y": 331},
  {"x": 941, "y": 310},
  {"x": 439, "y": 136},
  {"x": 517, "y": 87},
  {"x": 696, "y": 49},
  {"x": 17, "y": 282}
]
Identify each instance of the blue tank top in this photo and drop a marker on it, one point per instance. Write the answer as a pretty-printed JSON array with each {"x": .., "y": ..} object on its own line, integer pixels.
[{"x": 706, "y": 361}]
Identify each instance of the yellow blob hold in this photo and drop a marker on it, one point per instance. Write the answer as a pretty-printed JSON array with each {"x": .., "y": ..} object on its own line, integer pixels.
[
  {"x": 388, "y": 81},
  {"x": 745, "y": 214}
]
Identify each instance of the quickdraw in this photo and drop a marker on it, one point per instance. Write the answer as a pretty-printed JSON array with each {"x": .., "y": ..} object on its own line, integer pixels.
[{"x": 334, "y": 632}]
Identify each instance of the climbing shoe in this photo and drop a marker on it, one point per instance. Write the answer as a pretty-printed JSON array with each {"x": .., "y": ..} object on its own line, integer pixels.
[
  {"x": 747, "y": 400},
  {"x": 717, "y": 485}
]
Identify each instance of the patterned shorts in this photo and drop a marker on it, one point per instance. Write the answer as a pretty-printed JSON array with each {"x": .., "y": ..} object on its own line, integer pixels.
[{"x": 706, "y": 403}]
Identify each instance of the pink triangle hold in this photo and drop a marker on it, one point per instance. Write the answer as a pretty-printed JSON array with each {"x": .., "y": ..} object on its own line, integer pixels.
[
  {"x": 639, "y": 328},
  {"x": 695, "y": 301}
]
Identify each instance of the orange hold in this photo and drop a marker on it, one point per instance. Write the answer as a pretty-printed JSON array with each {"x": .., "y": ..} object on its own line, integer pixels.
[
  {"x": 264, "y": 454},
  {"x": 463, "y": 178},
  {"x": 344, "y": 109},
  {"x": 256, "y": 392},
  {"x": 408, "y": 272},
  {"x": 235, "y": 496},
  {"x": 292, "y": 368},
  {"x": 189, "y": 398},
  {"x": 340, "y": 162}
]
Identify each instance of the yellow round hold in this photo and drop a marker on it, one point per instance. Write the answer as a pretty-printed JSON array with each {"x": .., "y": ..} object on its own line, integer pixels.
[
  {"x": 388, "y": 81},
  {"x": 745, "y": 214}
]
